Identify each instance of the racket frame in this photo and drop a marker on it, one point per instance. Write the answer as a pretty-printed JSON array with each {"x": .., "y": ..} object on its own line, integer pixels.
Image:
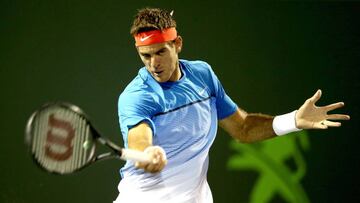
[{"x": 96, "y": 137}]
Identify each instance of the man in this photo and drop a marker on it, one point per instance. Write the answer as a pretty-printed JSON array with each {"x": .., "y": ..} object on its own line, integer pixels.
[{"x": 171, "y": 111}]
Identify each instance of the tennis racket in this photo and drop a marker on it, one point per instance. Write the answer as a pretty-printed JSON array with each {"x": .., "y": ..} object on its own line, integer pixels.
[{"x": 62, "y": 140}]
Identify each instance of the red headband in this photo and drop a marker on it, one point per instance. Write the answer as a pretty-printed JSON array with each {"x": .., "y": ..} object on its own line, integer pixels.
[{"x": 155, "y": 36}]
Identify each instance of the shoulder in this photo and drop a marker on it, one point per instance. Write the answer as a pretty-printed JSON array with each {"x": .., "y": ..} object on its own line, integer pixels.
[
  {"x": 197, "y": 68},
  {"x": 137, "y": 94},
  {"x": 137, "y": 90},
  {"x": 196, "y": 65}
]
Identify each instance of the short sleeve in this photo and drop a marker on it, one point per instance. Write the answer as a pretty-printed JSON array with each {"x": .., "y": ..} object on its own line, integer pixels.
[
  {"x": 134, "y": 108},
  {"x": 225, "y": 106}
]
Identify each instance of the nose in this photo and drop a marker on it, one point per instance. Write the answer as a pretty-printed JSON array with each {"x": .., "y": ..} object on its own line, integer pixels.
[{"x": 154, "y": 63}]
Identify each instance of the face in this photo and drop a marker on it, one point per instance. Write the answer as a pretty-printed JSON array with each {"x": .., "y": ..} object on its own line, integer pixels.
[{"x": 161, "y": 60}]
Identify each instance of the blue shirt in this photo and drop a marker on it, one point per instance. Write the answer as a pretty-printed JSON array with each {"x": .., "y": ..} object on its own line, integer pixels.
[{"x": 183, "y": 116}]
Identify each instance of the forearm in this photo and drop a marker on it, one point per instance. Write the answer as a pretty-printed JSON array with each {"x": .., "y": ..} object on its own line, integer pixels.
[
  {"x": 256, "y": 127},
  {"x": 140, "y": 137},
  {"x": 248, "y": 127}
]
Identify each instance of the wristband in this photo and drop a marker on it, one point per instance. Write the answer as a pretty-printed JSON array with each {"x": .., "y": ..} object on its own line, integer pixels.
[{"x": 284, "y": 124}]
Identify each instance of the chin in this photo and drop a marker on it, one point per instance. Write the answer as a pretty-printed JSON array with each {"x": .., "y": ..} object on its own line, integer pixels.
[{"x": 162, "y": 79}]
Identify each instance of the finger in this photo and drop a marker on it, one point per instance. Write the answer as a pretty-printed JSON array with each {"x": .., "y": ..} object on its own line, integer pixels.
[
  {"x": 150, "y": 168},
  {"x": 141, "y": 165},
  {"x": 154, "y": 159},
  {"x": 332, "y": 124},
  {"x": 315, "y": 97},
  {"x": 159, "y": 156},
  {"x": 158, "y": 167},
  {"x": 338, "y": 117},
  {"x": 334, "y": 106},
  {"x": 162, "y": 161},
  {"x": 162, "y": 164},
  {"x": 155, "y": 168}
]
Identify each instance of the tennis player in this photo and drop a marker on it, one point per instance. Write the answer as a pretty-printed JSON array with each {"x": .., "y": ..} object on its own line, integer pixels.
[{"x": 171, "y": 110}]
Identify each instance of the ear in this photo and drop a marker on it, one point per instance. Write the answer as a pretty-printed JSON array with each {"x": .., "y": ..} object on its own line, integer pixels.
[{"x": 178, "y": 44}]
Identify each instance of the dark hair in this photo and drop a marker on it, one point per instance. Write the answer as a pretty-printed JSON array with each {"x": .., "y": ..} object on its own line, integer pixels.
[{"x": 152, "y": 19}]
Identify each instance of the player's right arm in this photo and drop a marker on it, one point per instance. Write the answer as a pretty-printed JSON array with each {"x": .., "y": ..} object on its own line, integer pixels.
[{"x": 140, "y": 138}]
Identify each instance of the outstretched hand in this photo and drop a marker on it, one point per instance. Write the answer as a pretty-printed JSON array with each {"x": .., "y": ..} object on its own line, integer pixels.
[{"x": 310, "y": 116}]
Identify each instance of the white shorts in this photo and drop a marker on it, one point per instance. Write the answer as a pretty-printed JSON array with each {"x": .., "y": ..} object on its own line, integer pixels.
[{"x": 129, "y": 194}]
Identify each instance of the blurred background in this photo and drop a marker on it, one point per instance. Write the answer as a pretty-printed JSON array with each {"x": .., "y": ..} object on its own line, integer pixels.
[{"x": 270, "y": 57}]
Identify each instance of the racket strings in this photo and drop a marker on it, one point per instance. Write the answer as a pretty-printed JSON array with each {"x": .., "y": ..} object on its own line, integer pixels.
[{"x": 58, "y": 137}]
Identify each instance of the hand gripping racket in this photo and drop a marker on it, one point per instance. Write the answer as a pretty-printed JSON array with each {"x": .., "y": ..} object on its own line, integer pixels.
[{"x": 62, "y": 140}]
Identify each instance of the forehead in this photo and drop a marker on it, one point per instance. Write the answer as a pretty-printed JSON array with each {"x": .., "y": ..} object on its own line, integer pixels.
[{"x": 150, "y": 49}]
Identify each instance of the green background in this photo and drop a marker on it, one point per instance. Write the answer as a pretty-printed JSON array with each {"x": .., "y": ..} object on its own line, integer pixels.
[{"x": 270, "y": 57}]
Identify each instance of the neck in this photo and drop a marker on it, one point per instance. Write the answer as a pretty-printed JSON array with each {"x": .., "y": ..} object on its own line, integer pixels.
[{"x": 177, "y": 73}]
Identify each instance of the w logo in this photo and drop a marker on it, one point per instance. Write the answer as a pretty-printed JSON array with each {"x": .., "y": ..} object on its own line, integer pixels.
[{"x": 59, "y": 139}]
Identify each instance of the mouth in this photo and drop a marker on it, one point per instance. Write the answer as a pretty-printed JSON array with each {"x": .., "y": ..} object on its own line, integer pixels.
[{"x": 157, "y": 73}]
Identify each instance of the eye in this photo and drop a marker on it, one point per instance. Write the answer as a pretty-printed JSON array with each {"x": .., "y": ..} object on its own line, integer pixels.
[
  {"x": 146, "y": 55},
  {"x": 161, "y": 52}
]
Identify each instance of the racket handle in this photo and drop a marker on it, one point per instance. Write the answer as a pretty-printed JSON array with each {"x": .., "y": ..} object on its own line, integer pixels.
[{"x": 134, "y": 155}]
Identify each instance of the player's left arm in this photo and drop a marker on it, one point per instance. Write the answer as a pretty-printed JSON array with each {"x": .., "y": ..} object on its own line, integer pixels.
[{"x": 250, "y": 127}]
